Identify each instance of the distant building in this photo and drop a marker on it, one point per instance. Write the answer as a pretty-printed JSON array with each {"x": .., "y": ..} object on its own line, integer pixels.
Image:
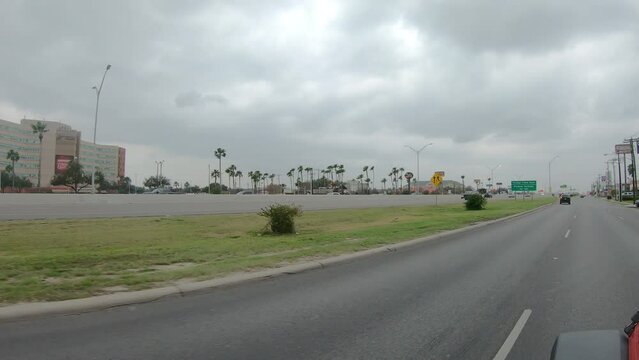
[{"x": 60, "y": 145}]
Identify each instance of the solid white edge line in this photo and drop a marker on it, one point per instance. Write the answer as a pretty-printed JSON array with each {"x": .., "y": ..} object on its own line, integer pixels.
[
  {"x": 567, "y": 234},
  {"x": 503, "y": 352}
]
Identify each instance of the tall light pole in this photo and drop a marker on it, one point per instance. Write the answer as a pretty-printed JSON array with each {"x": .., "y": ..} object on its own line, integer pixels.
[
  {"x": 98, "y": 90},
  {"x": 549, "y": 179},
  {"x": 492, "y": 179},
  {"x": 417, "y": 152}
]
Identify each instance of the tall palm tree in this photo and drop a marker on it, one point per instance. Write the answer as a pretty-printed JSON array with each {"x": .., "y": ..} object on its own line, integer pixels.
[
  {"x": 39, "y": 128},
  {"x": 219, "y": 154},
  {"x": 360, "y": 177},
  {"x": 384, "y": 184},
  {"x": 230, "y": 171},
  {"x": 365, "y": 170},
  {"x": 401, "y": 178},
  {"x": 339, "y": 171},
  {"x": 14, "y": 157},
  {"x": 372, "y": 170},
  {"x": 272, "y": 176},
  {"x": 239, "y": 177},
  {"x": 300, "y": 170},
  {"x": 215, "y": 174},
  {"x": 264, "y": 177},
  {"x": 291, "y": 174},
  {"x": 251, "y": 176}
]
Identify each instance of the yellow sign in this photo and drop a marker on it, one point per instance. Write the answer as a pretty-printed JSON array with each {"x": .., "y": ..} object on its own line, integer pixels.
[{"x": 436, "y": 179}]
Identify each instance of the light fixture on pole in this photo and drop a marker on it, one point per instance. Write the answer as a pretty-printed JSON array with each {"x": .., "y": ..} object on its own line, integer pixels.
[
  {"x": 549, "y": 179},
  {"x": 98, "y": 90},
  {"x": 417, "y": 152}
]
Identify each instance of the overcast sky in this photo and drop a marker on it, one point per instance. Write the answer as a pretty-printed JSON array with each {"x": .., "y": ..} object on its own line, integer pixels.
[{"x": 285, "y": 83}]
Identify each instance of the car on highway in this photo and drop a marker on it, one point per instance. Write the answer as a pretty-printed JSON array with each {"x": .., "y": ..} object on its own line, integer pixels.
[
  {"x": 160, "y": 191},
  {"x": 564, "y": 199},
  {"x": 245, "y": 192},
  {"x": 469, "y": 193}
]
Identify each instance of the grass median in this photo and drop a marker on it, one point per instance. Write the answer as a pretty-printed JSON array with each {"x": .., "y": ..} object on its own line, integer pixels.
[{"x": 65, "y": 259}]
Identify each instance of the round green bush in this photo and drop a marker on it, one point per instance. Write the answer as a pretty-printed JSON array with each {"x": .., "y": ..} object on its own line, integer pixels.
[
  {"x": 475, "y": 202},
  {"x": 281, "y": 218}
]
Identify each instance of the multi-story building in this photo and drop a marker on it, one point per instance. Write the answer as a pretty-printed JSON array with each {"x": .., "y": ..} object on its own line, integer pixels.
[{"x": 60, "y": 145}]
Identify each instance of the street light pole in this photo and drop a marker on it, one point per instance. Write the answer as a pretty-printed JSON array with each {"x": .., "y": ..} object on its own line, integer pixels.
[
  {"x": 98, "y": 90},
  {"x": 492, "y": 179},
  {"x": 417, "y": 152},
  {"x": 549, "y": 179}
]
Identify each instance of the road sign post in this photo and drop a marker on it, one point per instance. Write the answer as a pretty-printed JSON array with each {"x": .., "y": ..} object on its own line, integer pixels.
[
  {"x": 524, "y": 186},
  {"x": 436, "y": 179}
]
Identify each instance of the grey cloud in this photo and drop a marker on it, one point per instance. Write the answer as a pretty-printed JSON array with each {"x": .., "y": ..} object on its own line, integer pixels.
[
  {"x": 460, "y": 88},
  {"x": 194, "y": 98}
]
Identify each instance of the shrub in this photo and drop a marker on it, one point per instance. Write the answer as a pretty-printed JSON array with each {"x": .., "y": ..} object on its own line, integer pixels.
[
  {"x": 475, "y": 202},
  {"x": 281, "y": 218}
]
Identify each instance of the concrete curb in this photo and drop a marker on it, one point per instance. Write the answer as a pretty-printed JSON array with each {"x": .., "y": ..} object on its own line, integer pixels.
[{"x": 27, "y": 310}]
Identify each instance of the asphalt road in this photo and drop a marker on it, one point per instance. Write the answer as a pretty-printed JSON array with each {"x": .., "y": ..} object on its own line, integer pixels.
[
  {"x": 575, "y": 267},
  {"x": 51, "y": 206}
]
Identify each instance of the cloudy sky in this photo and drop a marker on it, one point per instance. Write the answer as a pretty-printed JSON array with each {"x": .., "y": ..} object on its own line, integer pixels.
[{"x": 285, "y": 83}]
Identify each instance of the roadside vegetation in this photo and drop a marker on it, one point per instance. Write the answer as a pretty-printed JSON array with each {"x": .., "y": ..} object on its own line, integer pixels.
[{"x": 64, "y": 259}]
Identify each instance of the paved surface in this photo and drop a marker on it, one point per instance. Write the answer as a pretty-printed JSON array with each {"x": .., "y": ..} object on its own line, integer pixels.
[
  {"x": 455, "y": 298},
  {"x": 47, "y": 206}
]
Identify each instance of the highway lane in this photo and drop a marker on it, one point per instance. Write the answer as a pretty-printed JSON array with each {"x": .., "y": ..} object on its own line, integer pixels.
[
  {"x": 52, "y": 206},
  {"x": 454, "y": 298}
]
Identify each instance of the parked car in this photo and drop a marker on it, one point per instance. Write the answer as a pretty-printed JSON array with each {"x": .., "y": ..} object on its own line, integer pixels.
[
  {"x": 333, "y": 193},
  {"x": 468, "y": 193},
  {"x": 637, "y": 203},
  {"x": 245, "y": 192},
  {"x": 627, "y": 195},
  {"x": 564, "y": 199},
  {"x": 488, "y": 195}
]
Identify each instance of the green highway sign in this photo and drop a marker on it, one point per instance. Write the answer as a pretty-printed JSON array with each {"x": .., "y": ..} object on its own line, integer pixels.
[{"x": 525, "y": 185}]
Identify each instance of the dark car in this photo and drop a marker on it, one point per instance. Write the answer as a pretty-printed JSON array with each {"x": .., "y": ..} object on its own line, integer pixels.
[{"x": 564, "y": 199}]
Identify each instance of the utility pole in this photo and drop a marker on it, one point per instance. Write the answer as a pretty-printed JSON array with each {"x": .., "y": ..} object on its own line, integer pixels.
[
  {"x": 549, "y": 179},
  {"x": 619, "y": 166}
]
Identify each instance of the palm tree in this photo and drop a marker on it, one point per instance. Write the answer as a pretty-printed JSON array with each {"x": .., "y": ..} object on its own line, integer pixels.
[
  {"x": 401, "y": 175},
  {"x": 291, "y": 174},
  {"x": 239, "y": 175},
  {"x": 39, "y": 128},
  {"x": 384, "y": 184},
  {"x": 365, "y": 170},
  {"x": 300, "y": 170},
  {"x": 14, "y": 157},
  {"x": 340, "y": 171},
  {"x": 231, "y": 173},
  {"x": 264, "y": 177},
  {"x": 372, "y": 169},
  {"x": 251, "y": 175},
  {"x": 215, "y": 174},
  {"x": 360, "y": 177},
  {"x": 219, "y": 154},
  {"x": 272, "y": 176}
]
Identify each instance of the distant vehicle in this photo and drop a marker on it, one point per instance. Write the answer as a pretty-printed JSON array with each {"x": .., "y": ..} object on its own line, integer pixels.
[
  {"x": 159, "y": 191},
  {"x": 564, "y": 199},
  {"x": 637, "y": 203},
  {"x": 627, "y": 195},
  {"x": 468, "y": 193},
  {"x": 245, "y": 192},
  {"x": 582, "y": 196},
  {"x": 333, "y": 193},
  {"x": 488, "y": 195},
  {"x": 511, "y": 196}
]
